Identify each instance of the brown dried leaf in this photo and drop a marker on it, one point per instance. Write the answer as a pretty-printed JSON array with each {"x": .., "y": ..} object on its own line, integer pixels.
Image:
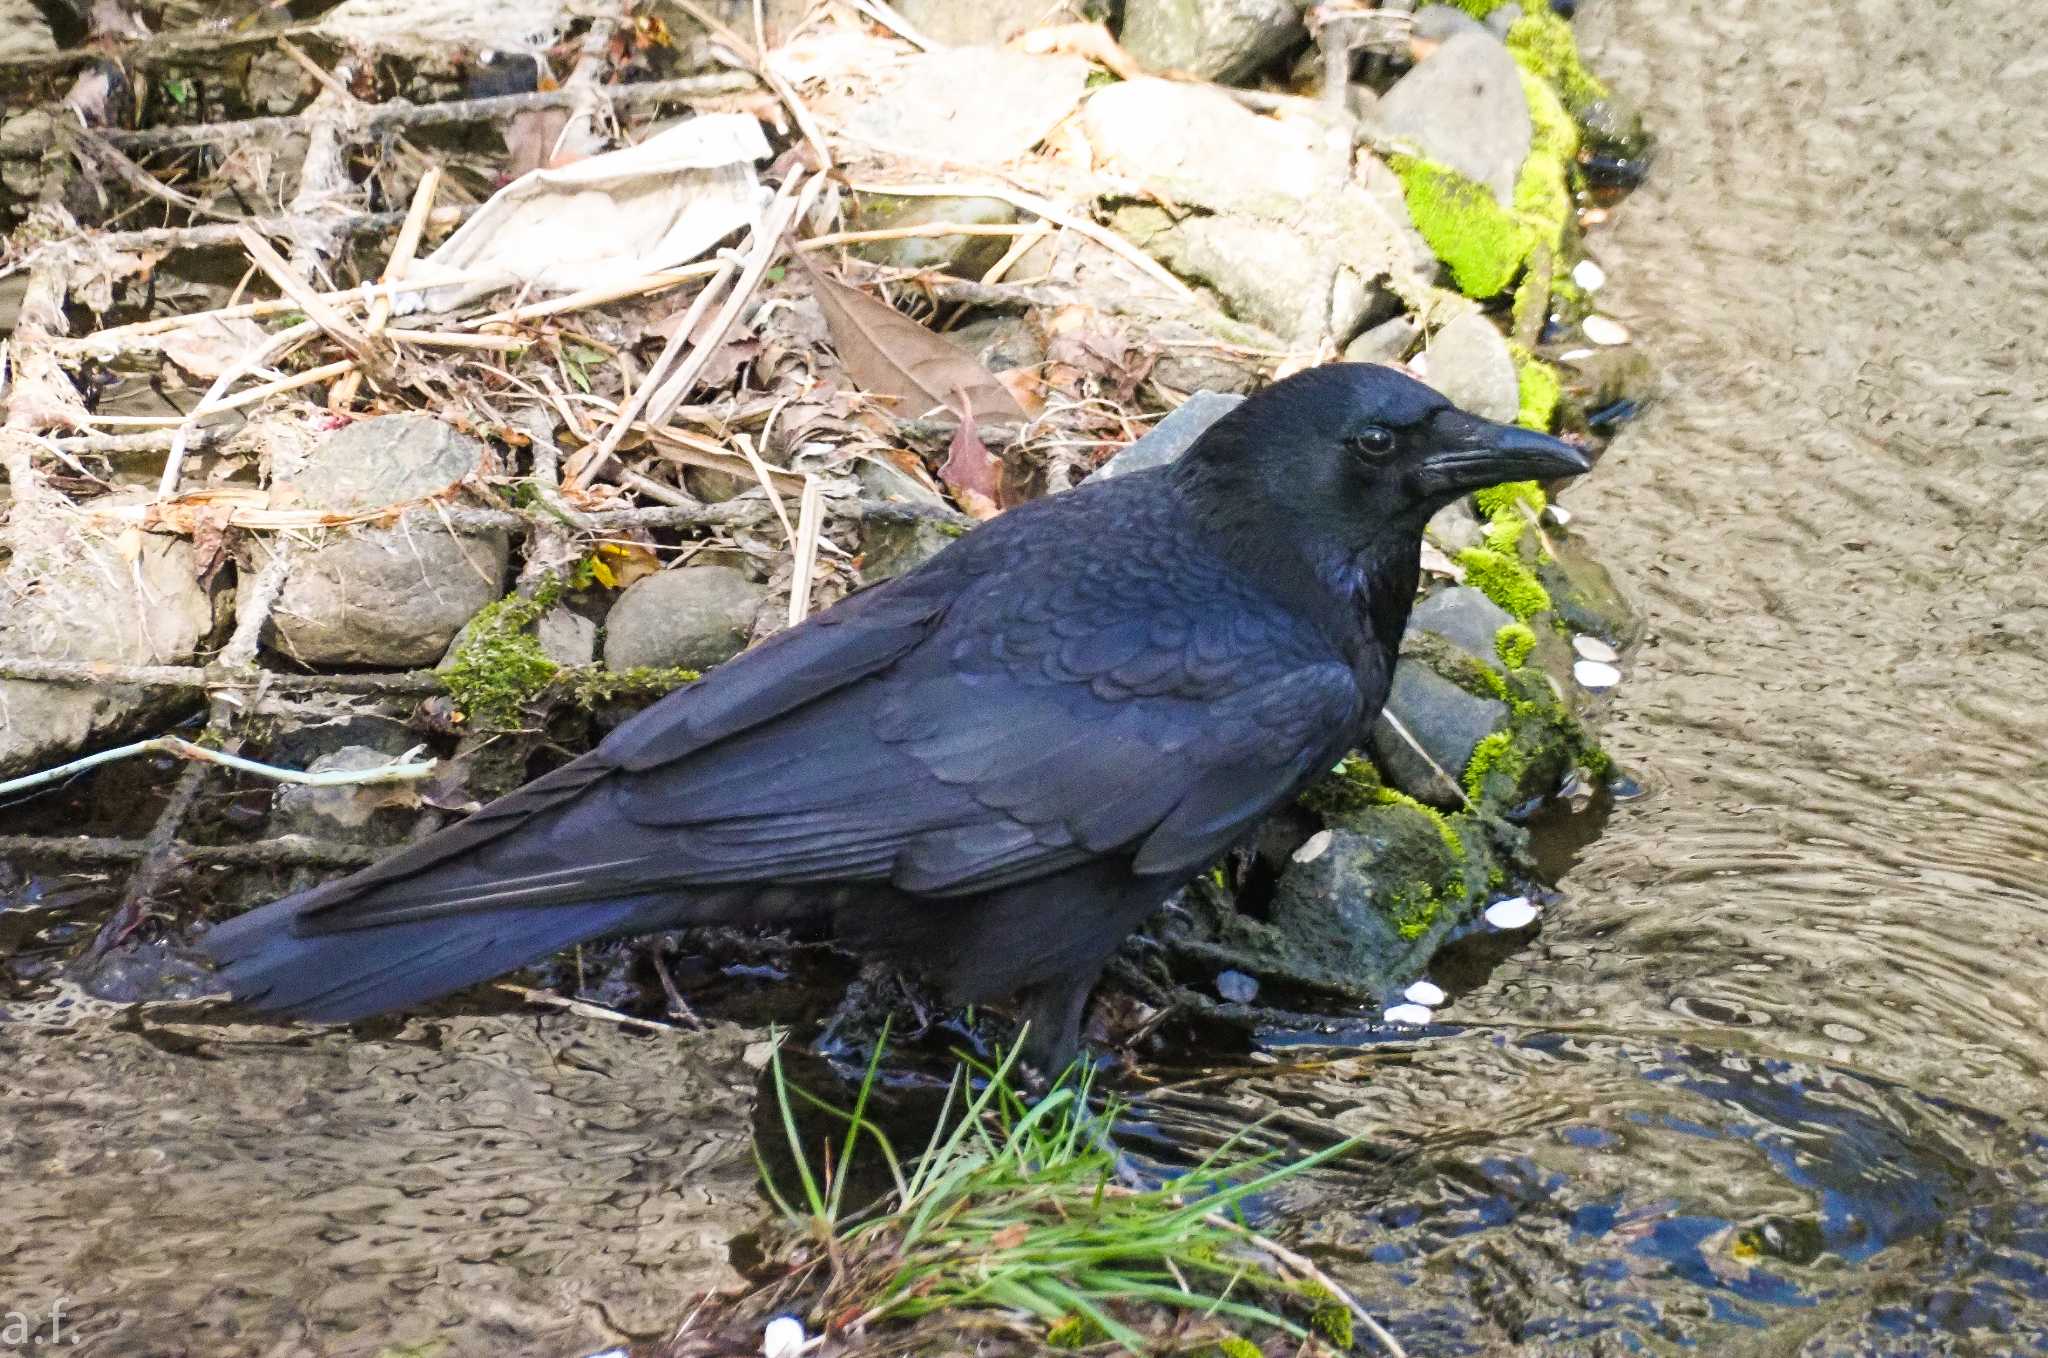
[
  {"x": 208, "y": 346},
  {"x": 889, "y": 354},
  {"x": 972, "y": 472}
]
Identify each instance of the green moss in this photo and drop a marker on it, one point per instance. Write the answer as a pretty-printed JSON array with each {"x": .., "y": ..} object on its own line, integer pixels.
[
  {"x": 1236, "y": 1346},
  {"x": 500, "y": 668},
  {"x": 1541, "y": 389},
  {"x": 1331, "y": 1318},
  {"x": 589, "y": 685},
  {"x": 1351, "y": 787},
  {"x": 1513, "y": 643},
  {"x": 1502, "y": 577},
  {"x": 1553, "y": 132},
  {"x": 1482, "y": 243},
  {"x": 1543, "y": 42},
  {"x": 1502, "y": 506},
  {"x": 1493, "y": 754},
  {"x": 1074, "y": 1331},
  {"x": 1478, "y": 9}
]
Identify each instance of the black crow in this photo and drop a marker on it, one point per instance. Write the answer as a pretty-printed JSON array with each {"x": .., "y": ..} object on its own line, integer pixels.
[{"x": 992, "y": 768}]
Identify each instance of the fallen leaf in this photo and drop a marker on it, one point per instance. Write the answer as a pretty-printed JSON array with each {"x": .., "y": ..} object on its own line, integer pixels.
[
  {"x": 970, "y": 470},
  {"x": 208, "y": 346},
  {"x": 1009, "y": 1237},
  {"x": 888, "y": 354}
]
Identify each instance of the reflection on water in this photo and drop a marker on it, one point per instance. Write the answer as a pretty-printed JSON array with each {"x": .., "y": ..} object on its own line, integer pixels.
[{"x": 1770, "y": 1082}]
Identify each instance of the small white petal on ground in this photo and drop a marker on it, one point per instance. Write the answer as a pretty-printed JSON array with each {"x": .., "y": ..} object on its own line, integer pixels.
[
  {"x": 1424, "y": 992},
  {"x": 1604, "y": 330},
  {"x": 1574, "y": 355},
  {"x": 1589, "y": 275},
  {"x": 1408, "y": 1013},
  {"x": 1592, "y": 648},
  {"x": 1314, "y": 847},
  {"x": 1595, "y": 675},
  {"x": 1513, "y": 913},
  {"x": 784, "y": 1338}
]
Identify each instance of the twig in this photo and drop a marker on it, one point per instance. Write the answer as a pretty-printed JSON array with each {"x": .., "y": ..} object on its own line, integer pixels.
[
  {"x": 788, "y": 203},
  {"x": 678, "y": 339},
  {"x": 397, "y": 113},
  {"x": 284, "y": 851},
  {"x": 584, "y": 1009},
  {"x": 590, "y": 297},
  {"x": 274, "y": 347},
  {"x": 883, "y": 14},
  {"x": 1040, "y": 207},
  {"x": 1304, "y": 1264},
  {"x": 400, "y": 772},
  {"x": 337, "y": 328},
  {"x": 922, "y": 229},
  {"x": 396, "y": 265},
  {"x": 401, "y": 684},
  {"x": 810, "y": 511}
]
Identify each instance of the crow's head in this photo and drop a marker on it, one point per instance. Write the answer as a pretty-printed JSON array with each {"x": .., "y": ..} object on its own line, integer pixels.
[{"x": 1353, "y": 453}]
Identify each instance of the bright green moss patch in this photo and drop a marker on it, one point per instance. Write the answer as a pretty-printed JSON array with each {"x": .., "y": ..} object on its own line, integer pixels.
[
  {"x": 1352, "y": 786},
  {"x": 500, "y": 668},
  {"x": 1237, "y": 1346},
  {"x": 1540, "y": 390},
  {"x": 1502, "y": 577},
  {"x": 1513, "y": 643},
  {"x": 1502, "y": 506},
  {"x": 1543, "y": 43},
  {"x": 1332, "y": 1318},
  {"x": 1479, "y": 9},
  {"x": 1494, "y": 753},
  {"x": 1482, "y": 243}
]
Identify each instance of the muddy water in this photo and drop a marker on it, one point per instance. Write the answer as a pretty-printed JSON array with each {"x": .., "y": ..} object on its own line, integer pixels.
[{"x": 1772, "y": 1081}]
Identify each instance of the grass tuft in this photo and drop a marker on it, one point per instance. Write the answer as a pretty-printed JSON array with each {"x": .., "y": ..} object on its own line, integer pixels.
[{"x": 1016, "y": 1208}]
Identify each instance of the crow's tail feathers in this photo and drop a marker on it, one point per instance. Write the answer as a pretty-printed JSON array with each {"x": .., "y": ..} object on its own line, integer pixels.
[{"x": 273, "y": 963}]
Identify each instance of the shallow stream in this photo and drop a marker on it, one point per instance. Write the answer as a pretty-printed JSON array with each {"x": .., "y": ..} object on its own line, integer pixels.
[{"x": 1769, "y": 1082}]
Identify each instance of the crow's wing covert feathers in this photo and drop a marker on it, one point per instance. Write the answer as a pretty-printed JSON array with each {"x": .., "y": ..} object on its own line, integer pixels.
[{"x": 1044, "y": 693}]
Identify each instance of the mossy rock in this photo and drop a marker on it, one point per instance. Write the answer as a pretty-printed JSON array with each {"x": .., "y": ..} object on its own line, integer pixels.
[
  {"x": 1482, "y": 243},
  {"x": 1585, "y": 597}
]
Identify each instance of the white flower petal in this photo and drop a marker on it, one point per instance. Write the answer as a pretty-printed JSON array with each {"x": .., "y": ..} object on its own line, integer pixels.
[
  {"x": 1408, "y": 1013},
  {"x": 1604, "y": 330},
  {"x": 1589, "y": 275},
  {"x": 1424, "y": 992},
  {"x": 1595, "y": 675},
  {"x": 784, "y": 1338},
  {"x": 1592, "y": 648},
  {"x": 1513, "y": 913}
]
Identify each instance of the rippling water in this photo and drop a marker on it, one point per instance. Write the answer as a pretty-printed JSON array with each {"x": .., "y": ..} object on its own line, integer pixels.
[{"x": 1769, "y": 1082}]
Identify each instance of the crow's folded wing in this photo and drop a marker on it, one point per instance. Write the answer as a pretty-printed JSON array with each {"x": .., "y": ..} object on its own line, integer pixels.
[{"x": 1112, "y": 692}]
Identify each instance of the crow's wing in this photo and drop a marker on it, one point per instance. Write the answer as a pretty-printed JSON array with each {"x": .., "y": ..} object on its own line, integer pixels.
[{"x": 1077, "y": 680}]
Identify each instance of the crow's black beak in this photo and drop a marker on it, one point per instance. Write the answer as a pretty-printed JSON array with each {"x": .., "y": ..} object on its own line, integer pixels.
[{"x": 1472, "y": 453}]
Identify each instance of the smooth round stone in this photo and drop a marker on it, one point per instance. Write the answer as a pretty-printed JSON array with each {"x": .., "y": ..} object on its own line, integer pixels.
[
  {"x": 1595, "y": 675},
  {"x": 1314, "y": 847},
  {"x": 1589, "y": 275},
  {"x": 1604, "y": 330},
  {"x": 1513, "y": 913},
  {"x": 1237, "y": 987},
  {"x": 1559, "y": 515},
  {"x": 784, "y": 1338},
  {"x": 1592, "y": 648},
  {"x": 1416, "y": 1014},
  {"x": 1424, "y": 993}
]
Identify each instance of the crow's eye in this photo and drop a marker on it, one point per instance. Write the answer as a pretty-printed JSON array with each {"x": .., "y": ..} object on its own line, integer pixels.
[{"x": 1372, "y": 441}]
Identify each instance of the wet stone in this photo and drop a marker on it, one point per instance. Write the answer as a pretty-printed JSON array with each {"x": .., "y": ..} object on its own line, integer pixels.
[
  {"x": 1585, "y": 596},
  {"x": 1444, "y": 720},
  {"x": 695, "y": 617},
  {"x": 1464, "y": 617},
  {"x": 890, "y": 547},
  {"x": 377, "y": 814}
]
